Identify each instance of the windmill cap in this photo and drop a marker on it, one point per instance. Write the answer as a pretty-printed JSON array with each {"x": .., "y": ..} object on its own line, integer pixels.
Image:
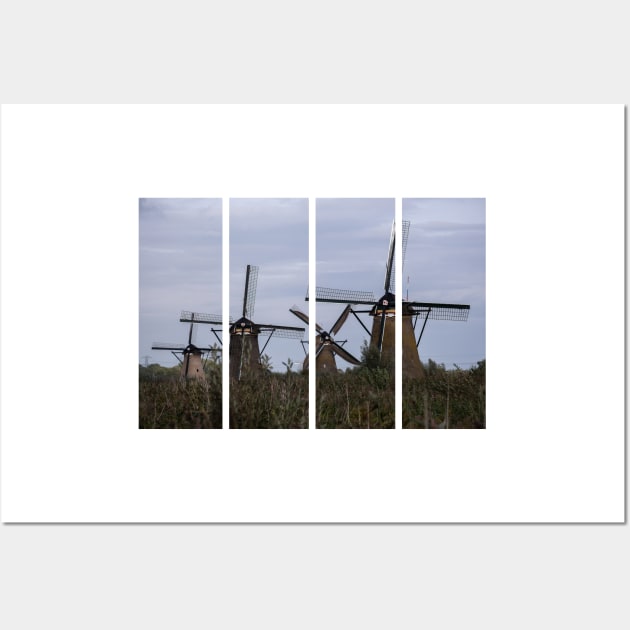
[
  {"x": 243, "y": 324},
  {"x": 389, "y": 299},
  {"x": 386, "y": 302}
]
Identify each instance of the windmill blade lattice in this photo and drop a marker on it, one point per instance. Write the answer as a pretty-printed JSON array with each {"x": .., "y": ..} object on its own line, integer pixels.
[
  {"x": 283, "y": 332},
  {"x": 343, "y": 296},
  {"x": 389, "y": 264},
  {"x": 201, "y": 318},
  {"x": 249, "y": 297},
  {"x": 405, "y": 238},
  {"x": 390, "y": 267},
  {"x": 433, "y": 310}
]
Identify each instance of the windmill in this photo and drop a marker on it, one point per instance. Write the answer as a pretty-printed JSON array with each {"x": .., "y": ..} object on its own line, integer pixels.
[
  {"x": 191, "y": 363},
  {"x": 325, "y": 346},
  {"x": 203, "y": 318},
  {"x": 244, "y": 349},
  {"x": 383, "y": 311}
]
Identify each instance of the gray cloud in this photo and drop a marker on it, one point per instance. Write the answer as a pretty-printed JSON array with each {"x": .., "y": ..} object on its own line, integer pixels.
[
  {"x": 179, "y": 269},
  {"x": 180, "y": 258},
  {"x": 445, "y": 262},
  {"x": 271, "y": 234}
]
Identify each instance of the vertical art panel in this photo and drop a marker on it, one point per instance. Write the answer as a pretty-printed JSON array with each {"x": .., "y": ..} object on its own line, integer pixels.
[
  {"x": 180, "y": 307},
  {"x": 444, "y": 334},
  {"x": 355, "y": 346},
  {"x": 268, "y": 275}
]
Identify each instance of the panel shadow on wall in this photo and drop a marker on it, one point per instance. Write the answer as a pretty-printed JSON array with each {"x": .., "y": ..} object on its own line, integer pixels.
[
  {"x": 268, "y": 275},
  {"x": 355, "y": 341},
  {"x": 180, "y": 280}
]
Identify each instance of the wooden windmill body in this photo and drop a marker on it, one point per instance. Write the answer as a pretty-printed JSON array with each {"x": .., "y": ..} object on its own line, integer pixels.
[
  {"x": 384, "y": 317},
  {"x": 245, "y": 353},
  {"x": 326, "y": 348},
  {"x": 192, "y": 361},
  {"x": 383, "y": 313},
  {"x": 244, "y": 349}
]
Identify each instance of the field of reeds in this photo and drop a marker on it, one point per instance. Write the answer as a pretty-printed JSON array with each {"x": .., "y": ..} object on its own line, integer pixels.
[
  {"x": 362, "y": 398},
  {"x": 166, "y": 401},
  {"x": 446, "y": 399},
  {"x": 269, "y": 401},
  {"x": 357, "y": 399},
  {"x": 266, "y": 401}
]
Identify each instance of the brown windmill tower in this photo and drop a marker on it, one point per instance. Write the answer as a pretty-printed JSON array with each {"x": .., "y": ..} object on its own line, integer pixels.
[
  {"x": 244, "y": 333},
  {"x": 325, "y": 346},
  {"x": 383, "y": 312},
  {"x": 192, "y": 364}
]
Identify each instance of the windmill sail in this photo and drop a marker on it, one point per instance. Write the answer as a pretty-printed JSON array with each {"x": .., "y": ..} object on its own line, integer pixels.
[
  {"x": 389, "y": 267},
  {"x": 192, "y": 352},
  {"x": 178, "y": 347},
  {"x": 342, "y": 296},
  {"x": 383, "y": 310},
  {"x": 159, "y": 345},
  {"x": 249, "y": 297},
  {"x": 285, "y": 332},
  {"x": 200, "y": 318},
  {"x": 405, "y": 238},
  {"x": 341, "y": 320},
  {"x": 434, "y": 310},
  {"x": 325, "y": 346},
  {"x": 245, "y": 354}
]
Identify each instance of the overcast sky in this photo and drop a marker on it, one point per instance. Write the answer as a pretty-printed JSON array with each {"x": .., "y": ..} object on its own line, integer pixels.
[
  {"x": 271, "y": 234},
  {"x": 180, "y": 269},
  {"x": 445, "y": 262},
  {"x": 352, "y": 247}
]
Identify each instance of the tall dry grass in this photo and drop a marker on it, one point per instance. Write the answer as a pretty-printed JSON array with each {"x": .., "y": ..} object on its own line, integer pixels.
[
  {"x": 454, "y": 399},
  {"x": 174, "y": 403},
  {"x": 360, "y": 399},
  {"x": 269, "y": 401}
]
